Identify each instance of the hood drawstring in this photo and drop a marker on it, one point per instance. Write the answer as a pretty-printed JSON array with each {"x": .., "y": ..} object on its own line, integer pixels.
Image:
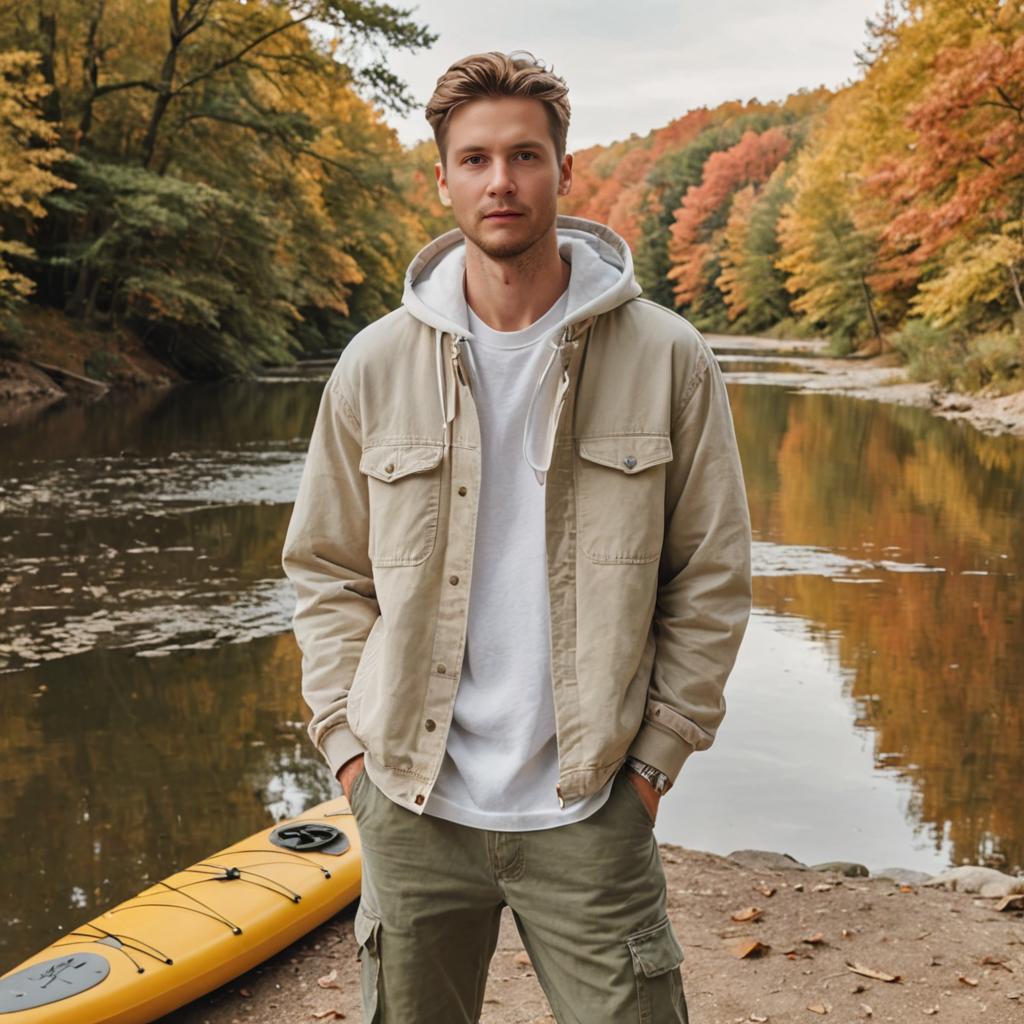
[
  {"x": 446, "y": 398},
  {"x": 561, "y": 345}
]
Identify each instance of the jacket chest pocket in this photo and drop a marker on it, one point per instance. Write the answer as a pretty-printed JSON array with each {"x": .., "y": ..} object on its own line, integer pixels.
[
  {"x": 404, "y": 483},
  {"x": 620, "y": 496}
]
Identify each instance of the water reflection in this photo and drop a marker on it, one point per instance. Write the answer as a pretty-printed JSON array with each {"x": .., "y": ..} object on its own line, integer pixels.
[
  {"x": 934, "y": 659},
  {"x": 120, "y": 769}
]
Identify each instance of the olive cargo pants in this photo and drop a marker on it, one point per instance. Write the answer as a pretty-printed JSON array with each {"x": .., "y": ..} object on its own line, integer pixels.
[{"x": 588, "y": 899}]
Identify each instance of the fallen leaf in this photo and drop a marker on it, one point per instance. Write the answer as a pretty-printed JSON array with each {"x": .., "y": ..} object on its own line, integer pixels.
[
  {"x": 821, "y": 1008},
  {"x": 823, "y": 887},
  {"x": 245, "y": 993},
  {"x": 906, "y": 888},
  {"x": 814, "y": 940},
  {"x": 973, "y": 982},
  {"x": 523, "y": 959},
  {"x": 758, "y": 1019},
  {"x": 765, "y": 889},
  {"x": 1015, "y": 901},
  {"x": 747, "y": 947},
  {"x": 995, "y": 961},
  {"x": 747, "y": 914},
  {"x": 333, "y": 1014},
  {"x": 329, "y": 980},
  {"x": 870, "y": 972}
]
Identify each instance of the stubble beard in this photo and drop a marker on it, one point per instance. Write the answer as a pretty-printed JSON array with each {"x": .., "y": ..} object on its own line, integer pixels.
[{"x": 519, "y": 251}]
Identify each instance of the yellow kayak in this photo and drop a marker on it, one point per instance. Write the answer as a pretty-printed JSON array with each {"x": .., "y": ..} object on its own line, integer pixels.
[{"x": 195, "y": 929}]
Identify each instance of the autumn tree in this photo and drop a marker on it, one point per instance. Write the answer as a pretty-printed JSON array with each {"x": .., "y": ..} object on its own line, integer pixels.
[
  {"x": 28, "y": 152},
  {"x": 699, "y": 234}
]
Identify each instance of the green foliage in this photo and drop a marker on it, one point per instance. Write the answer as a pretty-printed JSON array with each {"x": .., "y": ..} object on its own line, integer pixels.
[
  {"x": 193, "y": 267},
  {"x": 957, "y": 361},
  {"x": 228, "y": 192}
]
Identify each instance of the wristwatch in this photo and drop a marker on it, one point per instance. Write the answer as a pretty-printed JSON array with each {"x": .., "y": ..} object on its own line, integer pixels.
[{"x": 658, "y": 779}]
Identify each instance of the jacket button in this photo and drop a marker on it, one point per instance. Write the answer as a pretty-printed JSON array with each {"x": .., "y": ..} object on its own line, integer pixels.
[
  {"x": 453, "y": 580},
  {"x": 441, "y": 669},
  {"x": 430, "y": 725},
  {"x": 629, "y": 461},
  {"x": 419, "y": 798},
  {"x": 389, "y": 468},
  {"x": 462, "y": 491}
]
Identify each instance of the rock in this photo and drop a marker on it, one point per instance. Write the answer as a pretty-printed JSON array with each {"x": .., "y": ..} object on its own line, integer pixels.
[
  {"x": 843, "y": 867},
  {"x": 767, "y": 860},
  {"x": 905, "y": 876},
  {"x": 985, "y": 882}
]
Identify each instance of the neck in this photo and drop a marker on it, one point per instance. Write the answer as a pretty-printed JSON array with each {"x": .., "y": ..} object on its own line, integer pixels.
[{"x": 512, "y": 293}]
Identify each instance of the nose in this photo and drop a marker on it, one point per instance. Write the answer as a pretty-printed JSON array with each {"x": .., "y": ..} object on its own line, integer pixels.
[{"x": 501, "y": 182}]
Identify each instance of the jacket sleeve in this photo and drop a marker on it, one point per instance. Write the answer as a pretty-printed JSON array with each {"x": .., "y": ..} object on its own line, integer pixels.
[
  {"x": 326, "y": 557},
  {"x": 704, "y": 583}
]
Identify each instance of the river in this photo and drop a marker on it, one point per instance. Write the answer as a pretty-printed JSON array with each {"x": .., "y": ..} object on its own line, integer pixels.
[{"x": 150, "y": 685}]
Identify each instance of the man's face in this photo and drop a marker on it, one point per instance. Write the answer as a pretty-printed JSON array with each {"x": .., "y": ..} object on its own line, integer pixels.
[{"x": 501, "y": 157}]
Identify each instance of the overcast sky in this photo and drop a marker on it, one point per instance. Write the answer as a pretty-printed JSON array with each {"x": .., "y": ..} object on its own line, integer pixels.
[{"x": 634, "y": 65}]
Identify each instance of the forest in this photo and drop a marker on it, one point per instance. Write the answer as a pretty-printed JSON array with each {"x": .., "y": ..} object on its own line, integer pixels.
[{"x": 218, "y": 178}]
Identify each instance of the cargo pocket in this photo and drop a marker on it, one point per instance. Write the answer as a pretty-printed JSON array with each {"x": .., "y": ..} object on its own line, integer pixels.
[
  {"x": 404, "y": 484},
  {"x": 620, "y": 496},
  {"x": 367, "y": 930},
  {"x": 656, "y": 957}
]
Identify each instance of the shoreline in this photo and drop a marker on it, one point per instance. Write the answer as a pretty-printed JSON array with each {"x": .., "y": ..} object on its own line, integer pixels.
[
  {"x": 880, "y": 378},
  {"x": 955, "y": 956},
  {"x": 26, "y": 390}
]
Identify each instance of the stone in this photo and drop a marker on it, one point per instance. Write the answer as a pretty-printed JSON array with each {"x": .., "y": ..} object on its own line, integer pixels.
[
  {"x": 986, "y": 882},
  {"x": 767, "y": 860},
  {"x": 843, "y": 867}
]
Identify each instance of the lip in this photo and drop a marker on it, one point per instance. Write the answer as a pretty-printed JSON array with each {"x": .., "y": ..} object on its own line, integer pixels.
[{"x": 502, "y": 216}]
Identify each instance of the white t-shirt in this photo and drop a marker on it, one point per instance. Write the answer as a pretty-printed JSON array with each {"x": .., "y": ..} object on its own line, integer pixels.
[{"x": 501, "y": 762}]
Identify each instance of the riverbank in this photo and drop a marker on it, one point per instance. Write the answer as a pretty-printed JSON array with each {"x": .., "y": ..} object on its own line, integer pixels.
[
  {"x": 880, "y": 378},
  {"x": 66, "y": 359},
  {"x": 828, "y": 944},
  {"x": 101, "y": 363}
]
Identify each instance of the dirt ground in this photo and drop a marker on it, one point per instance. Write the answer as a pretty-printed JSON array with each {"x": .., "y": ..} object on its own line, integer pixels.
[{"x": 956, "y": 958}]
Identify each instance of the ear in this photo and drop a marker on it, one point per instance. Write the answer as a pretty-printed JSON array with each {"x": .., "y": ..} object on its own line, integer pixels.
[
  {"x": 565, "y": 175},
  {"x": 442, "y": 184}
]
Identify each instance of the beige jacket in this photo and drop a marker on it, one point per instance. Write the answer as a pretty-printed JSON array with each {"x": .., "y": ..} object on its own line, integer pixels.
[{"x": 648, "y": 532}]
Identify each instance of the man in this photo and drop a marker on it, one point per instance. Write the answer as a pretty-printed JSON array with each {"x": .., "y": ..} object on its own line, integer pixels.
[{"x": 521, "y": 549}]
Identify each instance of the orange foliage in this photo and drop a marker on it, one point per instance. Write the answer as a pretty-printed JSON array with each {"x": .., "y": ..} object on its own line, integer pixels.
[
  {"x": 750, "y": 161},
  {"x": 964, "y": 172}
]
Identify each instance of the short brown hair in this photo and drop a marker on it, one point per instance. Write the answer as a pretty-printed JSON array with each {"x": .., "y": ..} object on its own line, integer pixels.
[{"x": 499, "y": 74}]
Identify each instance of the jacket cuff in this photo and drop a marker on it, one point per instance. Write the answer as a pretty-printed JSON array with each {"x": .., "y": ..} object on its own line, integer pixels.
[
  {"x": 663, "y": 749},
  {"x": 338, "y": 746}
]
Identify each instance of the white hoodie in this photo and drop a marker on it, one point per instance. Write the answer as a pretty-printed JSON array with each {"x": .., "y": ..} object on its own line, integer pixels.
[
  {"x": 499, "y": 771},
  {"x": 602, "y": 279}
]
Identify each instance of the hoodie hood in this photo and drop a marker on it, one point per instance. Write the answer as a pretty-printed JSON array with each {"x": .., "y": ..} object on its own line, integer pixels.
[{"x": 601, "y": 278}]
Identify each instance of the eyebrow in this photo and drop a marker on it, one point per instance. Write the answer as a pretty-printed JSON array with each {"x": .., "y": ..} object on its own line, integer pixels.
[{"x": 525, "y": 144}]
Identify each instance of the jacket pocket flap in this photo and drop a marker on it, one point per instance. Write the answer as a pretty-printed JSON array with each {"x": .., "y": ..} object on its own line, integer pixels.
[
  {"x": 656, "y": 949},
  {"x": 629, "y": 453},
  {"x": 389, "y": 462}
]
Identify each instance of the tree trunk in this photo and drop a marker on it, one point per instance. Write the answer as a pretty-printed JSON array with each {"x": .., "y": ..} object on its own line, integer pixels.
[
  {"x": 871, "y": 313},
  {"x": 1015, "y": 278}
]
